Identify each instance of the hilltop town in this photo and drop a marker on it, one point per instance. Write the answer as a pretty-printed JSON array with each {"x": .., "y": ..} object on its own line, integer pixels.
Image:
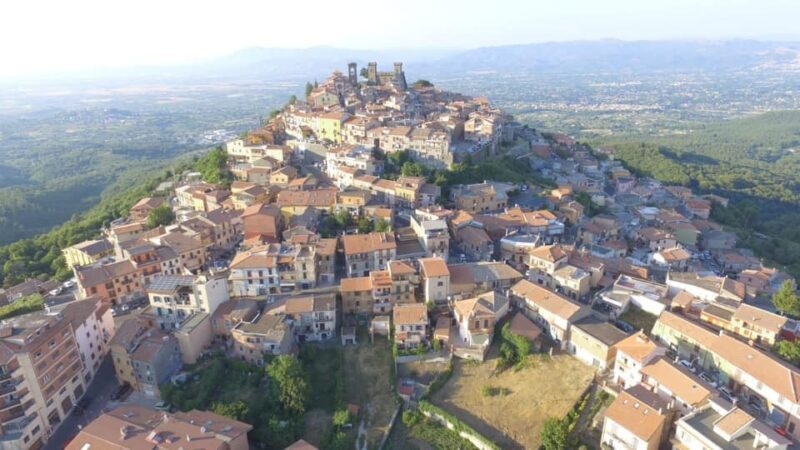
[{"x": 382, "y": 262}]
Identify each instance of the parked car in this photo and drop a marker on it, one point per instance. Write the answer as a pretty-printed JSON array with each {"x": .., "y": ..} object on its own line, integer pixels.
[
  {"x": 81, "y": 406},
  {"x": 757, "y": 404},
  {"x": 726, "y": 394},
  {"x": 624, "y": 326},
  {"x": 69, "y": 284},
  {"x": 164, "y": 406},
  {"x": 121, "y": 392},
  {"x": 688, "y": 365},
  {"x": 707, "y": 378}
]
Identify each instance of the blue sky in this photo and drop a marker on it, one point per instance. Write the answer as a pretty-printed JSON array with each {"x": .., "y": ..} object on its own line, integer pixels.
[{"x": 55, "y": 35}]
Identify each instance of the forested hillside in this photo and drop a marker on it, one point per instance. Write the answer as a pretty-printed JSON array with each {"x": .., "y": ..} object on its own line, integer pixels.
[
  {"x": 756, "y": 157},
  {"x": 41, "y": 255},
  {"x": 753, "y": 161}
]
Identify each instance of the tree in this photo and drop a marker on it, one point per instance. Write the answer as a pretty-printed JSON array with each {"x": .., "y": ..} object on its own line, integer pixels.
[
  {"x": 398, "y": 158},
  {"x": 342, "y": 218},
  {"x": 786, "y": 300},
  {"x": 309, "y": 88},
  {"x": 23, "y": 305},
  {"x": 160, "y": 215},
  {"x": 788, "y": 350},
  {"x": 289, "y": 382},
  {"x": 236, "y": 410},
  {"x": 364, "y": 225},
  {"x": 412, "y": 169},
  {"x": 381, "y": 225},
  {"x": 341, "y": 417},
  {"x": 364, "y": 72},
  {"x": 554, "y": 434},
  {"x": 212, "y": 166},
  {"x": 422, "y": 83}
]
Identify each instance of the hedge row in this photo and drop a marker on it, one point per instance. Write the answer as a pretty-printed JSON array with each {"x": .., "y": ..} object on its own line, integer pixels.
[{"x": 458, "y": 425}]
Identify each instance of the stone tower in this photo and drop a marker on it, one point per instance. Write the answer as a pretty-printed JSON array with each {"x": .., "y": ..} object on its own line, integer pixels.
[
  {"x": 400, "y": 76},
  {"x": 352, "y": 73},
  {"x": 372, "y": 72}
]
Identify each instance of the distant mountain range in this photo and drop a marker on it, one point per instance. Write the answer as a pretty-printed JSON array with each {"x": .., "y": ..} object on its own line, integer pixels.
[
  {"x": 637, "y": 56},
  {"x": 612, "y": 56},
  {"x": 553, "y": 57}
]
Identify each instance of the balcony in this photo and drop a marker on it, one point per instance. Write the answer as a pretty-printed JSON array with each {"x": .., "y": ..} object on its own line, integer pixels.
[{"x": 9, "y": 385}]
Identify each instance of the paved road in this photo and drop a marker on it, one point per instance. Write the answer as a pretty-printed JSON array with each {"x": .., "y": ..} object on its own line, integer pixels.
[{"x": 104, "y": 383}]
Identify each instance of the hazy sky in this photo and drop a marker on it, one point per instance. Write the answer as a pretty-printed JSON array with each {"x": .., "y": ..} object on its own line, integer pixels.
[{"x": 57, "y": 35}]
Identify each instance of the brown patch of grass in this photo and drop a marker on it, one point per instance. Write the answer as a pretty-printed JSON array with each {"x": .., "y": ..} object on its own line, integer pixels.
[
  {"x": 543, "y": 387},
  {"x": 317, "y": 426},
  {"x": 423, "y": 372},
  {"x": 368, "y": 383}
]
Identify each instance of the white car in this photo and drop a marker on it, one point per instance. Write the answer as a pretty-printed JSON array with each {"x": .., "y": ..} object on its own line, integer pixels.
[
  {"x": 69, "y": 284},
  {"x": 688, "y": 365}
]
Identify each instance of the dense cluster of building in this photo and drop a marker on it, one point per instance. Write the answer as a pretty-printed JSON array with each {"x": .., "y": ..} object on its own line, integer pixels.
[{"x": 254, "y": 269}]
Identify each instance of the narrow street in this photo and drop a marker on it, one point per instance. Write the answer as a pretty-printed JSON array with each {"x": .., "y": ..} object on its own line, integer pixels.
[{"x": 103, "y": 385}]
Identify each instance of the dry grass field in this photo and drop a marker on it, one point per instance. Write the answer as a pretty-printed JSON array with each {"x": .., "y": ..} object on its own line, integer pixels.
[{"x": 544, "y": 387}]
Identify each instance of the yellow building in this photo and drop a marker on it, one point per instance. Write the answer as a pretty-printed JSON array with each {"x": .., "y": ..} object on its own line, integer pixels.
[
  {"x": 87, "y": 252},
  {"x": 329, "y": 125}
]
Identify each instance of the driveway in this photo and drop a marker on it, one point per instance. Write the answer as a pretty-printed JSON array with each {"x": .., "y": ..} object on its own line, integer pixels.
[{"x": 103, "y": 385}]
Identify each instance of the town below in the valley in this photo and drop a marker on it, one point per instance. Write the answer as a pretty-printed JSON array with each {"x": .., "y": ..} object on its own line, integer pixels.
[{"x": 384, "y": 264}]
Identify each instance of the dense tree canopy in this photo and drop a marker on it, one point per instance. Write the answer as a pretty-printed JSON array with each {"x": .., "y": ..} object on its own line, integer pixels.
[
  {"x": 160, "y": 215},
  {"x": 289, "y": 382},
  {"x": 554, "y": 434},
  {"x": 786, "y": 300},
  {"x": 212, "y": 166}
]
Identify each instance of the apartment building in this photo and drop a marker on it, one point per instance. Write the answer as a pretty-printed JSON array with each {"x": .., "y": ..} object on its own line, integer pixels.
[
  {"x": 720, "y": 425},
  {"x": 434, "y": 280},
  {"x": 593, "y": 341},
  {"x": 144, "y": 356},
  {"x": 114, "y": 282},
  {"x": 379, "y": 292},
  {"x": 434, "y": 236},
  {"x": 554, "y": 312},
  {"x": 266, "y": 334},
  {"x": 273, "y": 268},
  {"x": 364, "y": 253},
  {"x": 140, "y": 211},
  {"x": 750, "y": 374},
  {"x": 313, "y": 317},
  {"x": 707, "y": 286},
  {"x": 134, "y": 427},
  {"x": 637, "y": 420},
  {"x": 683, "y": 391},
  {"x": 410, "y": 324},
  {"x": 94, "y": 327},
  {"x": 174, "y": 298},
  {"x": 632, "y": 354},
  {"x": 87, "y": 252},
  {"x": 477, "y": 317},
  {"x": 481, "y": 197},
  {"x": 41, "y": 377}
]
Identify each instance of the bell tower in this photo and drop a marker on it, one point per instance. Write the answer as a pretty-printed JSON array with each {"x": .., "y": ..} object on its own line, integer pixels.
[{"x": 352, "y": 73}]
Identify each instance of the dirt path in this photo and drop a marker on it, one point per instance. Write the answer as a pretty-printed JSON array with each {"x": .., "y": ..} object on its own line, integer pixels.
[
  {"x": 583, "y": 420},
  {"x": 361, "y": 439}
]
